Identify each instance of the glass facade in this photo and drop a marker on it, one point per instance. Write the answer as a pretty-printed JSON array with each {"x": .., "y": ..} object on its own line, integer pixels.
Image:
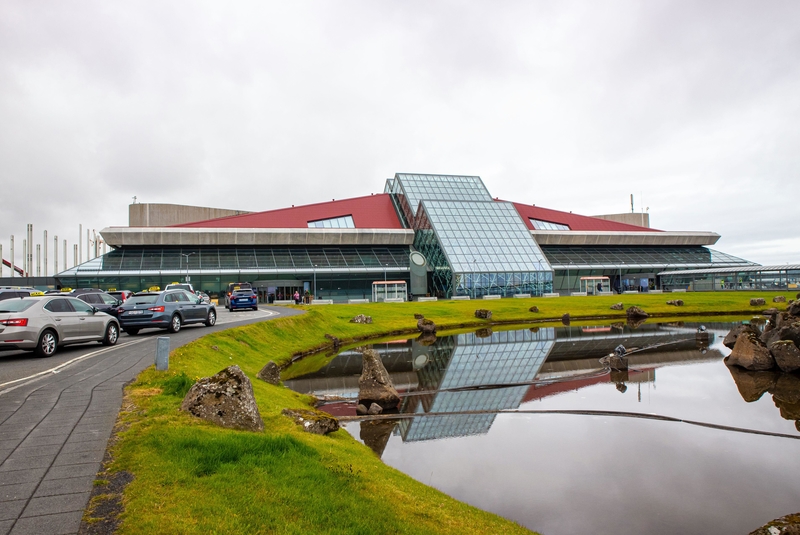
[
  {"x": 538, "y": 224},
  {"x": 336, "y": 222},
  {"x": 408, "y": 190},
  {"x": 656, "y": 257}
]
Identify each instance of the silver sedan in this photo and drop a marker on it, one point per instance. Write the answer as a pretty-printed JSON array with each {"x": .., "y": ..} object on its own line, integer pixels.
[{"x": 45, "y": 323}]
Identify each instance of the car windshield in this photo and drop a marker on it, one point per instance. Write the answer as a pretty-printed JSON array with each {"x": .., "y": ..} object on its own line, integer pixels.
[
  {"x": 243, "y": 292},
  {"x": 16, "y": 305},
  {"x": 142, "y": 300}
]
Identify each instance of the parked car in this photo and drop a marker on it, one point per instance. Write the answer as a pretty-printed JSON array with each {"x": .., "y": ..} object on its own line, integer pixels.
[
  {"x": 245, "y": 298},
  {"x": 46, "y": 322},
  {"x": 100, "y": 300},
  {"x": 204, "y": 297},
  {"x": 15, "y": 293},
  {"x": 168, "y": 309},
  {"x": 232, "y": 287},
  {"x": 180, "y": 286},
  {"x": 122, "y": 295}
]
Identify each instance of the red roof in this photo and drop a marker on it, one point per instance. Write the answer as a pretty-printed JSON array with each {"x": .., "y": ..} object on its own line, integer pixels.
[
  {"x": 574, "y": 221},
  {"x": 373, "y": 211}
]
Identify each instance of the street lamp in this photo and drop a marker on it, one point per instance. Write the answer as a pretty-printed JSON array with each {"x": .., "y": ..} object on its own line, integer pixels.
[
  {"x": 187, "y": 255},
  {"x": 569, "y": 286},
  {"x": 314, "y": 296}
]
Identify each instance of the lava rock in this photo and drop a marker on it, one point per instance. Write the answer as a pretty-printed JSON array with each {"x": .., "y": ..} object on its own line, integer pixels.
[
  {"x": 315, "y": 422},
  {"x": 483, "y": 333},
  {"x": 794, "y": 308},
  {"x": 270, "y": 373},
  {"x": 636, "y": 312},
  {"x": 786, "y": 354},
  {"x": 565, "y": 319},
  {"x": 426, "y": 339},
  {"x": 675, "y": 302},
  {"x": 617, "y": 306},
  {"x": 361, "y": 318},
  {"x": 376, "y": 433},
  {"x": 483, "y": 314},
  {"x": 418, "y": 316},
  {"x": 757, "y": 302},
  {"x": 785, "y": 525},
  {"x": 426, "y": 326},
  {"x": 779, "y": 299},
  {"x": 225, "y": 399},
  {"x": 374, "y": 385},
  {"x": 753, "y": 385},
  {"x": 733, "y": 334},
  {"x": 533, "y": 309},
  {"x": 784, "y": 332},
  {"x": 750, "y": 353}
]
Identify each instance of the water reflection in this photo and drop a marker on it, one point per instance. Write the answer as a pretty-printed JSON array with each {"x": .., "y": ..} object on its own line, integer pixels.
[{"x": 463, "y": 373}]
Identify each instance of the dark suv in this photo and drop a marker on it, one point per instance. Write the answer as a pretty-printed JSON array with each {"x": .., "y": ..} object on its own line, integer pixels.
[
  {"x": 15, "y": 293},
  {"x": 98, "y": 299}
]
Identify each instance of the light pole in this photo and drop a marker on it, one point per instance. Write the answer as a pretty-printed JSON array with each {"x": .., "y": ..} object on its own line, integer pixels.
[
  {"x": 187, "y": 255},
  {"x": 314, "y": 296},
  {"x": 569, "y": 286}
]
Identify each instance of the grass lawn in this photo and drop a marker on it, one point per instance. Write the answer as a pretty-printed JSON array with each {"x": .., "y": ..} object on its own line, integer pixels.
[{"x": 193, "y": 477}]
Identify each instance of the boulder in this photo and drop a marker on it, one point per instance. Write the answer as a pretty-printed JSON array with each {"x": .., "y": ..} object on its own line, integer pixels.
[
  {"x": 786, "y": 389},
  {"x": 617, "y": 306},
  {"x": 757, "y": 302},
  {"x": 361, "y": 318},
  {"x": 785, "y": 525},
  {"x": 426, "y": 326},
  {"x": 418, "y": 316},
  {"x": 483, "y": 333},
  {"x": 770, "y": 311},
  {"x": 225, "y": 399},
  {"x": 733, "y": 334},
  {"x": 794, "y": 308},
  {"x": 779, "y": 319},
  {"x": 376, "y": 433},
  {"x": 374, "y": 409},
  {"x": 426, "y": 339},
  {"x": 750, "y": 353},
  {"x": 786, "y": 355},
  {"x": 534, "y": 309},
  {"x": 361, "y": 409},
  {"x": 675, "y": 302},
  {"x": 753, "y": 385},
  {"x": 374, "y": 385},
  {"x": 270, "y": 373},
  {"x": 636, "y": 312},
  {"x": 618, "y": 325},
  {"x": 565, "y": 319},
  {"x": 779, "y": 299},
  {"x": 483, "y": 314},
  {"x": 635, "y": 323},
  {"x": 316, "y": 422},
  {"x": 786, "y": 331}
]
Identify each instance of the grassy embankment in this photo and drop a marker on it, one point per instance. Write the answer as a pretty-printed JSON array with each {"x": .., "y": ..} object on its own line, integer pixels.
[{"x": 193, "y": 477}]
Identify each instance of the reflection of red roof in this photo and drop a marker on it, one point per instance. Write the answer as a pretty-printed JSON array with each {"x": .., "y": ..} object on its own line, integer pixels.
[
  {"x": 574, "y": 221},
  {"x": 373, "y": 211},
  {"x": 541, "y": 391}
]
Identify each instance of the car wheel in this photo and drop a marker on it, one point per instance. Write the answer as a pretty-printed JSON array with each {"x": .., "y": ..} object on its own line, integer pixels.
[
  {"x": 255, "y": 308},
  {"x": 211, "y": 319},
  {"x": 112, "y": 334},
  {"x": 132, "y": 332},
  {"x": 174, "y": 324},
  {"x": 48, "y": 343}
]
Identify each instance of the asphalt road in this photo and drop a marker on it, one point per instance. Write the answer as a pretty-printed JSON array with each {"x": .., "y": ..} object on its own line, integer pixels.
[{"x": 57, "y": 414}]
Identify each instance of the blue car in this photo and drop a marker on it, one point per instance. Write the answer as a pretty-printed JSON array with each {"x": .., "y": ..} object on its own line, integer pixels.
[
  {"x": 245, "y": 298},
  {"x": 170, "y": 310}
]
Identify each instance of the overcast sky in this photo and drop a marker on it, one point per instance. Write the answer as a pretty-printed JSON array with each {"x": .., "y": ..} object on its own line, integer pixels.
[{"x": 693, "y": 107}]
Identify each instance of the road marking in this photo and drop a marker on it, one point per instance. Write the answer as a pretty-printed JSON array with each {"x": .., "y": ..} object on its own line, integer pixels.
[{"x": 65, "y": 364}]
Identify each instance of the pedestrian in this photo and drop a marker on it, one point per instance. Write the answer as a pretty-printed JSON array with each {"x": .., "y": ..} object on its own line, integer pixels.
[{"x": 296, "y": 297}]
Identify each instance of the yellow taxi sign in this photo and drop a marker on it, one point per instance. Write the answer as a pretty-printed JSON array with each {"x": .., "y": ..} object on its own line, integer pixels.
[
  {"x": 111, "y": 290},
  {"x": 174, "y": 282},
  {"x": 66, "y": 290},
  {"x": 237, "y": 287},
  {"x": 154, "y": 289},
  {"x": 37, "y": 294}
]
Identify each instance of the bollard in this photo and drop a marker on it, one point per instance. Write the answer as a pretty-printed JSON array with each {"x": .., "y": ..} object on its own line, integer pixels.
[{"x": 162, "y": 353}]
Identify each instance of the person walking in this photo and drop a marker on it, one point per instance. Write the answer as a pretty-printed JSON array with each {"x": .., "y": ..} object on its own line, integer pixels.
[{"x": 296, "y": 297}]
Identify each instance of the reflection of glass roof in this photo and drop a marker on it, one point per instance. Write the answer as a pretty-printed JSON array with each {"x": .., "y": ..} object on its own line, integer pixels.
[
  {"x": 336, "y": 222},
  {"x": 441, "y": 188},
  {"x": 644, "y": 256},
  {"x": 486, "y": 237}
]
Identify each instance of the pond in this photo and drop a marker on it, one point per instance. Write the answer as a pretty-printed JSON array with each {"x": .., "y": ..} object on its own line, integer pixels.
[{"x": 538, "y": 432}]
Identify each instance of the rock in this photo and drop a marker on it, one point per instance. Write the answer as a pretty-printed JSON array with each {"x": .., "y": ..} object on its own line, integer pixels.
[
  {"x": 753, "y": 385},
  {"x": 794, "y": 309},
  {"x": 779, "y": 299},
  {"x": 617, "y": 306},
  {"x": 786, "y": 396},
  {"x": 374, "y": 385},
  {"x": 757, "y": 302},
  {"x": 636, "y": 312},
  {"x": 376, "y": 433},
  {"x": 565, "y": 319},
  {"x": 780, "y": 319},
  {"x": 215, "y": 348},
  {"x": 483, "y": 314},
  {"x": 533, "y": 309},
  {"x": 733, "y": 334},
  {"x": 786, "y": 355},
  {"x": 675, "y": 302},
  {"x": 335, "y": 340},
  {"x": 635, "y": 323},
  {"x": 270, "y": 373},
  {"x": 361, "y": 318},
  {"x": 225, "y": 399},
  {"x": 483, "y": 333},
  {"x": 784, "y": 332},
  {"x": 361, "y": 409},
  {"x": 427, "y": 339},
  {"x": 426, "y": 326},
  {"x": 770, "y": 311},
  {"x": 785, "y": 525},
  {"x": 618, "y": 325},
  {"x": 614, "y": 362},
  {"x": 374, "y": 409},
  {"x": 750, "y": 353},
  {"x": 316, "y": 422},
  {"x": 418, "y": 316}
]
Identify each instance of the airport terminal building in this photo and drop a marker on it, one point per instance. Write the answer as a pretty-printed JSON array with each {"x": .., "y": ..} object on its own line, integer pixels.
[{"x": 442, "y": 235}]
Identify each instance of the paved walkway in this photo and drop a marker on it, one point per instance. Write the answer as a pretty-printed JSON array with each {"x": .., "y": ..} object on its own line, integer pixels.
[{"x": 54, "y": 430}]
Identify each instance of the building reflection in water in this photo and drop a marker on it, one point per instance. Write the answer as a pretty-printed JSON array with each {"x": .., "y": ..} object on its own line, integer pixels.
[{"x": 554, "y": 359}]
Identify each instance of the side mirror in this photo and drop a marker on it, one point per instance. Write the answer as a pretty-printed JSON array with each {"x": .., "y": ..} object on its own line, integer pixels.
[
  {"x": 117, "y": 303},
  {"x": 94, "y": 310}
]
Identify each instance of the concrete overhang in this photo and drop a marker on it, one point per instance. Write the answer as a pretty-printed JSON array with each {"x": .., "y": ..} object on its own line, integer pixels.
[
  {"x": 164, "y": 236},
  {"x": 604, "y": 237}
]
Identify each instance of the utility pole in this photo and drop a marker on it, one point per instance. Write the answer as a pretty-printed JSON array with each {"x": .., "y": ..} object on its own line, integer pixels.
[
  {"x": 44, "y": 251},
  {"x": 80, "y": 244},
  {"x": 13, "y": 260},
  {"x": 55, "y": 255}
]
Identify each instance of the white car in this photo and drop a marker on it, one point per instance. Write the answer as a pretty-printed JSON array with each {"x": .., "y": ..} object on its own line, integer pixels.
[{"x": 45, "y": 323}]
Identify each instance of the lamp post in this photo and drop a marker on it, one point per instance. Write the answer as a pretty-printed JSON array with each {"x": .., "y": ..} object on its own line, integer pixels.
[
  {"x": 569, "y": 286},
  {"x": 187, "y": 255},
  {"x": 314, "y": 295}
]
